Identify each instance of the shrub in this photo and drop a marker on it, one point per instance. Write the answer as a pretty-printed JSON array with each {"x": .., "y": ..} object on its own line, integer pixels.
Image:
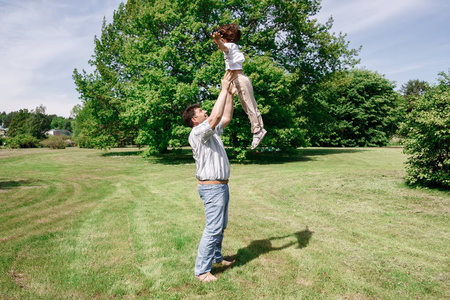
[
  {"x": 2, "y": 140},
  {"x": 427, "y": 132},
  {"x": 22, "y": 141},
  {"x": 56, "y": 142}
]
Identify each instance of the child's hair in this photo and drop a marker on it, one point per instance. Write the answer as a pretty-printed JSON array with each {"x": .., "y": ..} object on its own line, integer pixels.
[
  {"x": 189, "y": 113},
  {"x": 230, "y": 32}
]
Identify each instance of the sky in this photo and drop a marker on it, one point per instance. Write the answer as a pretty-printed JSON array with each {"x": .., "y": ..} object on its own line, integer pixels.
[{"x": 43, "y": 41}]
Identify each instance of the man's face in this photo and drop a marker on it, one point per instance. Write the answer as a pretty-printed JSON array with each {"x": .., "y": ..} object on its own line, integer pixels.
[{"x": 200, "y": 116}]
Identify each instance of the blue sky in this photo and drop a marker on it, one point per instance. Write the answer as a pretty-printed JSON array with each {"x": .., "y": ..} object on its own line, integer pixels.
[
  {"x": 42, "y": 41},
  {"x": 401, "y": 39}
]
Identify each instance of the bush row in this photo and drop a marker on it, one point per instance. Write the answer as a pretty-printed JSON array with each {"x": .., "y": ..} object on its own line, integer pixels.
[{"x": 28, "y": 141}]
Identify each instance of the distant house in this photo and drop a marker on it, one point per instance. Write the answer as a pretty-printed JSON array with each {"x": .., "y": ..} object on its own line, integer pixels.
[
  {"x": 3, "y": 131},
  {"x": 58, "y": 132}
]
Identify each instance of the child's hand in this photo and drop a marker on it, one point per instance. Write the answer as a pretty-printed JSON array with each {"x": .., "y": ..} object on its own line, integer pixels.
[
  {"x": 218, "y": 40},
  {"x": 216, "y": 37}
]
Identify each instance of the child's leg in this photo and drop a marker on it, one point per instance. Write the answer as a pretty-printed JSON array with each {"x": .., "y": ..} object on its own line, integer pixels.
[{"x": 245, "y": 95}]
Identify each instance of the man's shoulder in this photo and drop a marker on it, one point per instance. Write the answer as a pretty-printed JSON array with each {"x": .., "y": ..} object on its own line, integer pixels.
[{"x": 201, "y": 127}]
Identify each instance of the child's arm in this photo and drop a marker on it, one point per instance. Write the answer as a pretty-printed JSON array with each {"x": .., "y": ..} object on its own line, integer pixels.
[{"x": 217, "y": 38}]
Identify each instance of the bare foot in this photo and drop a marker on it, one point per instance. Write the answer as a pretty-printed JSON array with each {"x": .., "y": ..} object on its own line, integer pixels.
[
  {"x": 206, "y": 277},
  {"x": 226, "y": 263}
]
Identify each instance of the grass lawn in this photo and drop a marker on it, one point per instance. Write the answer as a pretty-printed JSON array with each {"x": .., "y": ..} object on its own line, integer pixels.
[{"x": 326, "y": 224}]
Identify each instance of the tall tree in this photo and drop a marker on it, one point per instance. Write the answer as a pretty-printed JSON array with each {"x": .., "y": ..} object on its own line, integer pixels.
[
  {"x": 356, "y": 108},
  {"x": 156, "y": 57},
  {"x": 38, "y": 122},
  {"x": 19, "y": 123},
  {"x": 34, "y": 123},
  {"x": 7, "y": 118},
  {"x": 412, "y": 90}
]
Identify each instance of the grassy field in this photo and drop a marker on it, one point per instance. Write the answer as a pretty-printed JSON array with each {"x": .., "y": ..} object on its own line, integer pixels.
[{"x": 326, "y": 224}]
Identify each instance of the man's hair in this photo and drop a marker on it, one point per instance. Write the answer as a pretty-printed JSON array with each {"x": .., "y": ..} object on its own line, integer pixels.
[
  {"x": 189, "y": 113},
  {"x": 230, "y": 32}
]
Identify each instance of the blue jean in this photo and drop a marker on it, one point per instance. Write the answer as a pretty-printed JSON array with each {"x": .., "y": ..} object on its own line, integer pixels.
[{"x": 215, "y": 198}]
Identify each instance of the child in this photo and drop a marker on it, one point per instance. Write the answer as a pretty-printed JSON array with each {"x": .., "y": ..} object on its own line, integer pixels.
[{"x": 225, "y": 38}]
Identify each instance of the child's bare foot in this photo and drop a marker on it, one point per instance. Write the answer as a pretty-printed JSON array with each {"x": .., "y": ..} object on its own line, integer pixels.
[{"x": 258, "y": 137}]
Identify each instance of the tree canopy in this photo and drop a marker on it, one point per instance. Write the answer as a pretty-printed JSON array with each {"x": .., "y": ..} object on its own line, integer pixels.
[
  {"x": 412, "y": 90},
  {"x": 156, "y": 57},
  {"x": 34, "y": 123},
  {"x": 61, "y": 123},
  {"x": 427, "y": 137},
  {"x": 18, "y": 123},
  {"x": 26, "y": 128},
  {"x": 355, "y": 108},
  {"x": 6, "y": 118}
]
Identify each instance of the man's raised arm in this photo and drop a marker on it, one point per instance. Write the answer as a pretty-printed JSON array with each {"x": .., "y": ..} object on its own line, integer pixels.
[
  {"x": 219, "y": 107},
  {"x": 228, "y": 110}
]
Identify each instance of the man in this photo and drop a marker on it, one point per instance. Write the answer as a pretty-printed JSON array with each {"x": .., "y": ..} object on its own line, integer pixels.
[{"x": 213, "y": 171}]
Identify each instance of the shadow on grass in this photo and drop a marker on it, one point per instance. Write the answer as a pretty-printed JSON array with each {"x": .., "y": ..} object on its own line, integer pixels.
[
  {"x": 123, "y": 153},
  {"x": 259, "y": 247},
  {"x": 10, "y": 184},
  {"x": 328, "y": 151},
  {"x": 304, "y": 154},
  {"x": 184, "y": 156},
  {"x": 432, "y": 187}
]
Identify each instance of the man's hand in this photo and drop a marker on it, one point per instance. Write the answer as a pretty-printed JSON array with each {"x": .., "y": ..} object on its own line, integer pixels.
[
  {"x": 226, "y": 81},
  {"x": 219, "y": 106}
]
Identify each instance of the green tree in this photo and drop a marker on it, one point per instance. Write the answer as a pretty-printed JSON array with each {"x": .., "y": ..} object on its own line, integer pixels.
[
  {"x": 156, "y": 57},
  {"x": 7, "y": 118},
  {"x": 413, "y": 89},
  {"x": 61, "y": 123},
  {"x": 355, "y": 108},
  {"x": 427, "y": 132},
  {"x": 19, "y": 123},
  {"x": 38, "y": 122},
  {"x": 2, "y": 116},
  {"x": 34, "y": 123},
  {"x": 75, "y": 110}
]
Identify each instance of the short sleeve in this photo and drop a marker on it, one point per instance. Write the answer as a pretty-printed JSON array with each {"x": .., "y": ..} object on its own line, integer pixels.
[
  {"x": 219, "y": 128},
  {"x": 234, "y": 55},
  {"x": 203, "y": 132}
]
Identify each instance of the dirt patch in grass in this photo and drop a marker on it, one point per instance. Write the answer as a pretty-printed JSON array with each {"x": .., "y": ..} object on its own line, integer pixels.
[
  {"x": 7, "y": 238},
  {"x": 18, "y": 278}
]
